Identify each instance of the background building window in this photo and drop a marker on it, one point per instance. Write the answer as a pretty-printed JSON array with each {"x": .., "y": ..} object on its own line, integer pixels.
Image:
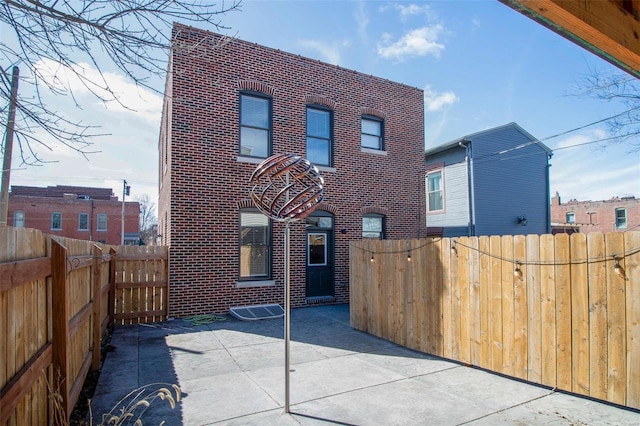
[
  {"x": 434, "y": 192},
  {"x": 319, "y": 149},
  {"x": 371, "y": 133},
  {"x": 56, "y": 220},
  {"x": 18, "y": 219},
  {"x": 571, "y": 217},
  {"x": 83, "y": 222},
  {"x": 255, "y": 126},
  {"x": 102, "y": 222},
  {"x": 373, "y": 226},
  {"x": 621, "y": 218},
  {"x": 255, "y": 245}
]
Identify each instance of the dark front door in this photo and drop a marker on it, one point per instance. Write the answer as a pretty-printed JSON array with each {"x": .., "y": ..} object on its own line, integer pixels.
[{"x": 319, "y": 263}]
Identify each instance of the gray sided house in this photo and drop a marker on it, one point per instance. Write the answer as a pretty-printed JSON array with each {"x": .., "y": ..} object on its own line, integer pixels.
[{"x": 493, "y": 182}]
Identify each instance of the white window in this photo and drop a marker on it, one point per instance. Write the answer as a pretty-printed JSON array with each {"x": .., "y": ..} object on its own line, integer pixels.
[
  {"x": 435, "y": 193},
  {"x": 56, "y": 220},
  {"x": 372, "y": 226},
  {"x": 371, "y": 133},
  {"x": 102, "y": 222},
  {"x": 18, "y": 219},
  {"x": 621, "y": 218},
  {"x": 255, "y": 245},
  {"x": 83, "y": 222},
  {"x": 571, "y": 217}
]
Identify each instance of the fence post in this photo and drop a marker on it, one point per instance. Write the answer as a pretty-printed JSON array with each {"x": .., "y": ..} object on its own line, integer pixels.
[
  {"x": 97, "y": 306},
  {"x": 60, "y": 324},
  {"x": 111, "y": 304}
]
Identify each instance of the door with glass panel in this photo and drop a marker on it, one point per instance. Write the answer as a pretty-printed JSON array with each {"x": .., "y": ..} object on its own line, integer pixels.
[{"x": 320, "y": 256}]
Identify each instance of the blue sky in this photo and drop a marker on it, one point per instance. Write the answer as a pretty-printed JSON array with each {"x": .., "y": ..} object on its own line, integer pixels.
[{"x": 480, "y": 64}]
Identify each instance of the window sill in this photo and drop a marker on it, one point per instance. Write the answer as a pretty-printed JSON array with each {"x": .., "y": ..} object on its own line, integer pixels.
[
  {"x": 372, "y": 151},
  {"x": 326, "y": 169},
  {"x": 261, "y": 283},
  {"x": 252, "y": 160}
]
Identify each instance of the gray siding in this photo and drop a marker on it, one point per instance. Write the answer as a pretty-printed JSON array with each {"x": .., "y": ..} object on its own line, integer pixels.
[
  {"x": 456, "y": 195},
  {"x": 510, "y": 184}
]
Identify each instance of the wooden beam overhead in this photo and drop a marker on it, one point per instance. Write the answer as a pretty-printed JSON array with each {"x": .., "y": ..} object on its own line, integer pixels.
[{"x": 608, "y": 28}]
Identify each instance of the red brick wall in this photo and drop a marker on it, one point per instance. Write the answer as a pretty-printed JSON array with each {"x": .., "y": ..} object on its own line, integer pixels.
[
  {"x": 37, "y": 211},
  {"x": 204, "y": 183},
  {"x": 596, "y": 216}
]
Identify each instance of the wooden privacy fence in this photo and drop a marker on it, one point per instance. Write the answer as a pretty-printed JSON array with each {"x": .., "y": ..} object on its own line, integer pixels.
[
  {"x": 57, "y": 298},
  {"x": 562, "y": 311}
]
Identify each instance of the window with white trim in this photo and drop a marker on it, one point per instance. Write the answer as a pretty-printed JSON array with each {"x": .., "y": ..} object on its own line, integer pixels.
[
  {"x": 102, "y": 222},
  {"x": 571, "y": 217},
  {"x": 435, "y": 191},
  {"x": 83, "y": 222},
  {"x": 18, "y": 219},
  {"x": 621, "y": 218},
  {"x": 56, "y": 220}
]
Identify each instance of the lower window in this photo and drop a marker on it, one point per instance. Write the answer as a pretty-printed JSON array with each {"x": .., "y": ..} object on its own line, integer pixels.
[{"x": 255, "y": 245}]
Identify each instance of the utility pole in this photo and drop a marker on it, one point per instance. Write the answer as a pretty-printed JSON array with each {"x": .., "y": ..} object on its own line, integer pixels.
[
  {"x": 8, "y": 148},
  {"x": 125, "y": 191}
]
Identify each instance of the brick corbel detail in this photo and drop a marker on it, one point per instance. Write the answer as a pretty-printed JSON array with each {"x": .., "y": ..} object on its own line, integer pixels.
[
  {"x": 375, "y": 209},
  {"x": 255, "y": 86},
  {"x": 374, "y": 112},
  {"x": 321, "y": 100}
]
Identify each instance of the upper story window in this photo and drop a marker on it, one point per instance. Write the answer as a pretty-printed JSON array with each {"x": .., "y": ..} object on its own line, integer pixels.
[
  {"x": 255, "y": 245},
  {"x": 571, "y": 217},
  {"x": 56, "y": 220},
  {"x": 373, "y": 226},
  {"x": 435, "y": 191},
  {"x": 83, "y": 222},
  {"x": 102, "y": 222},
  {"x": 371, "y": 133},
  {"x": 621, "y": 218},
  {"x": 255, "y": 126},
  {"x": 319, "y": 143},
  {"x": 18, "y": 219}
]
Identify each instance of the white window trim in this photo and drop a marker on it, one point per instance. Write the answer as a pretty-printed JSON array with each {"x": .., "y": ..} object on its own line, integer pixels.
[{"x": 426, "y": 188}]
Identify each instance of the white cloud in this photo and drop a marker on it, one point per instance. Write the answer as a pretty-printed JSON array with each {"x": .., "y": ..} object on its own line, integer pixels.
[
  {"x": 330, "y": 52},
  {"x": 414, "y": 9},
  {"x": 419, "y": 42},
  {"x": 435, "y": 101},
  {"x": 83, "y": 79}
]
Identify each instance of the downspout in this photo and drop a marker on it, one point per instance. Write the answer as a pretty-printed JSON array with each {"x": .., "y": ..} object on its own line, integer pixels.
[
  {"x": 91, "y": 222},
  {"x": 471, "y": 222}
]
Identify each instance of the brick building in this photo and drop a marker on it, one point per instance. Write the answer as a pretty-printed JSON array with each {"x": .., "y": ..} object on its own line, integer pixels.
[
  {"x": 228, "y": 108},
  {"x": 617, "y": 214},
  {"x": 93, "y": 214}
]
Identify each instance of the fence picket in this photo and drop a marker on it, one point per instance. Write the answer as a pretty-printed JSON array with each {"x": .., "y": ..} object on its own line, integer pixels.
[
  {"x": 616, "y": 326},
  {"x": 631, "y": 273}
]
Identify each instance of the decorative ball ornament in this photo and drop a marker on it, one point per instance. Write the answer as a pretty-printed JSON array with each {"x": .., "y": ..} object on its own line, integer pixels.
[{"x": 286, "y": 187}]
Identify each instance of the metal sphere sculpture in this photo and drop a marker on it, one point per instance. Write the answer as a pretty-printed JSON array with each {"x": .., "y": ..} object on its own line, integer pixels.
[{"x": 286, "y": 187}]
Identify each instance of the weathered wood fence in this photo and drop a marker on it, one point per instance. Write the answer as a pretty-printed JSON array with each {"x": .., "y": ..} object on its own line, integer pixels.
[
  {"x": 562, "y": 311},
  {"x": 58, "y": 296}
]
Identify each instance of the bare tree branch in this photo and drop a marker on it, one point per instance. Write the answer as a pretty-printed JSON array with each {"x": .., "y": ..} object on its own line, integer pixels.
[{"x": 132, "y": 35}]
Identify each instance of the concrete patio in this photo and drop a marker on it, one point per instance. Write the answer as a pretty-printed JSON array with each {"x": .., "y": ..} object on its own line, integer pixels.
[{"x": 232, "y": 372}]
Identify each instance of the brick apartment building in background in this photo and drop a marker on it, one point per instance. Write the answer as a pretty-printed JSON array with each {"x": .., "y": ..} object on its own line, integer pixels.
[
  {"x": 618, "y": 214},
  {"x": 83, "y": 213},
  {"x": 226, "y": 109}
]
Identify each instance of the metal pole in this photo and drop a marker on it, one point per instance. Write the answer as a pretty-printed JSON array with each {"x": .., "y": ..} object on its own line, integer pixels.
[
  {"x": 8, "y": 149},
  {"x": 287, "y": 309},
  {"x": 124, "y": 192}
]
